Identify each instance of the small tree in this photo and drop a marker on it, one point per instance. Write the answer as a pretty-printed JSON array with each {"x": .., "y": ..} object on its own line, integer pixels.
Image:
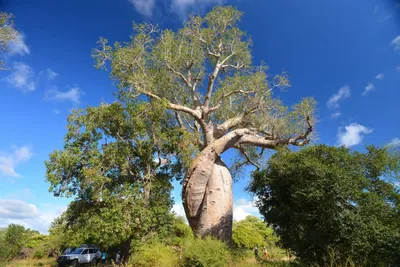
[
  {"x": 7, "y": 34},
  {"x": 203, "y": 75},
  {"x": 12, "y": 241},
  {"x": 327, "y": 201},
  {"x": 252, "y": 232}
]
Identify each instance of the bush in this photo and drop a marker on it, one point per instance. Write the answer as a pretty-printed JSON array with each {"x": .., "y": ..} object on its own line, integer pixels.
[
  {"x": 155, "y": 254},
  {"x": 206, "y": 252}
]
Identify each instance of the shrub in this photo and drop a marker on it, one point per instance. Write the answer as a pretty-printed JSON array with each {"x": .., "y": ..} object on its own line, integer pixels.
[
  {"x": 206, "y": 252},
  {"x": 155, "y": 254}
]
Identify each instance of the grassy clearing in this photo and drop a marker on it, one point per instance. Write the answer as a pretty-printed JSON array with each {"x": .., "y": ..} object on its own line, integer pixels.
[{"x": 32, "y": 263}]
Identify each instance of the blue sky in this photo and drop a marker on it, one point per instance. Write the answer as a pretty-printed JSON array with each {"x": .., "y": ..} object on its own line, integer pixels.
[{"x": 346, "y": 54}]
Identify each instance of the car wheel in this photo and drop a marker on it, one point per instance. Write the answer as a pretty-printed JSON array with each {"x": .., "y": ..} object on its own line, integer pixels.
[{"x": 75, "y": 263}]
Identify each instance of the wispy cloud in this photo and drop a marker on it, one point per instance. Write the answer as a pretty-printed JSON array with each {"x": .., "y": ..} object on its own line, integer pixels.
[
  {"x": 396, "y": 43},
  {"x": 18, "y": 46},
  {"x": 370, "y": 87},
  {"x": 144, "y": 7},
  {"x": 22, "y": 77},
  {"x": 380, "y": 76},
  {"x": 9, "y": 161},
  {"x": 182, "y": 7},
  {"x": 395, "y": 142},
  {"x": 376, "y": 8},
  {"x": 51, "y": 75},
  {"x": 334, "y": 100},
  {"x": 73, "y": 95},
  {"x": 336, "y": 115},
  {"x": 56, "y": 111},
  {"x": 352, "y": 134},
  {"x": 398, "y": 68}
]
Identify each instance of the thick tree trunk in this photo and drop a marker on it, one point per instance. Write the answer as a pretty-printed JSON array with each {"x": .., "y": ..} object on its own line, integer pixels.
[
  {"x": 207, "y": 190},
  {"x": 207, "y": 197}
]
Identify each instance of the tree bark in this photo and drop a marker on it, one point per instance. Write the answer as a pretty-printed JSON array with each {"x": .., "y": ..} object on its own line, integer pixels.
[
  {"x": 215, "y": 212},
  {"x": 207, "y": 193}
]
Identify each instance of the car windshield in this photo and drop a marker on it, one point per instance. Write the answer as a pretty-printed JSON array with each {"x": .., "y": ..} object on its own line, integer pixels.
[{"x": 77, "y": 251}]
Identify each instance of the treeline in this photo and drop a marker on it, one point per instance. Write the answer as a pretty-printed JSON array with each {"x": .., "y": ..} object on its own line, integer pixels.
[
  {"x": 18, "y": 242},
  {"x": 176, "y": 247}
]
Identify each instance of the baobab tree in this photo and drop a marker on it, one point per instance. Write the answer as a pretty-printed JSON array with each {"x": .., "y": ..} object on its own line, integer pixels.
[{"x": 203, "y": 73}]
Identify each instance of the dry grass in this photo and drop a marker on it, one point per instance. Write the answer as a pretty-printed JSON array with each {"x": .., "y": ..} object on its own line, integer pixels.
[{"x": 33, "y": 263}]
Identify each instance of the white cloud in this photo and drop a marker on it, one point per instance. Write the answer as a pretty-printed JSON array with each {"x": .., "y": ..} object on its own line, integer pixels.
[
  {"x": 352, "y": 134},
  {"x": 56, "y": 111},
  {"x": 22, "y": 77},
  {"x": 395, "y": 142},
  {"x": 73, "y": 95},
  {"x": 183, "y": 6},
  {"x": 9, "y": 161},
  {"x": 18, "y": 46},
  {"x": 396, "y": 43},
  {"x": 380, "y": 76},
  {"x": 343, "y": 93},
  {"x": 28, "y": 215},
  {"x": 178, "y": 209},
  {"x": 398, "y": 68},
  {"x": 336, "y": 115},
  {"x": 51, "y": 75},
  {"x": 368, "y": 88},
  {"x": 144, "y": 7},
  {"x": 243, "y": 208},
  {"x": 17, "y": 209}
]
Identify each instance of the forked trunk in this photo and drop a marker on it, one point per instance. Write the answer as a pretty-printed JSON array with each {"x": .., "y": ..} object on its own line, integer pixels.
[{"x": 207, "y": 197}]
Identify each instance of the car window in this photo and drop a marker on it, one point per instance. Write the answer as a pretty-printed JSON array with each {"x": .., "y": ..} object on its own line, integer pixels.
[
  {"x": 77, "y": 251},
  {"x": 86, "y": 251},
  {"x": 91, "y": 251}
]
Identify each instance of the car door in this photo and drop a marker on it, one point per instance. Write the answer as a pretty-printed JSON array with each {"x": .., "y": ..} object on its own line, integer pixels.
[
  {"x": 85, "y": 256},
  {"x": 92, "y": 253}
]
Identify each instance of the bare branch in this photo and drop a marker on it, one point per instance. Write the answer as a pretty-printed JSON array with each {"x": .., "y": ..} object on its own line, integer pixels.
[
  {"x": 243, "y": 152},
  {"x": 179, "y": 74},
  {"x": 268, "y": 142},
  {"x": 194, "y": 113},
  {"x": 211, "y": 81}
]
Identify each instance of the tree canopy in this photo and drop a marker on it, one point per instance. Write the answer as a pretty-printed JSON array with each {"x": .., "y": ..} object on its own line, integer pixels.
[
  {"x": 204, "y": 76},
  {"x": 252, "y": 232},
  {"x": 324, "y": 200},
  {"x": 118, "y": 162}
]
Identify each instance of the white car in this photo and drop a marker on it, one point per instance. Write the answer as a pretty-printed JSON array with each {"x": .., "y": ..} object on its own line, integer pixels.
[{"x": 79, "y": 256}]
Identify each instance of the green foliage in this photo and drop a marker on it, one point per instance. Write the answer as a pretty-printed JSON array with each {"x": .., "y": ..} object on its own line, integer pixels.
[
  {"x": 206, "y": 252},
  {"x": 118, "y": 162},
  {"x": 324, "y": 199},
  {"x": 15, "y": 238},
  {"x": 181, "y": 231},
  {"x": 252, "y": 232},
  {"x": 204, "y": 73},
  {"x": 155, "y": 254},
  {"x": 7, "y": 33}
]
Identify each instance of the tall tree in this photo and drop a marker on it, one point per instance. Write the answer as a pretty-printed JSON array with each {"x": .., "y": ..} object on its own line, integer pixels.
[
  {"x": 7, "y": 34},
  {"x": 204, "y": 74},
  {"x": 118, "y": 162},
  {"x": 329, "y": 203}
]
